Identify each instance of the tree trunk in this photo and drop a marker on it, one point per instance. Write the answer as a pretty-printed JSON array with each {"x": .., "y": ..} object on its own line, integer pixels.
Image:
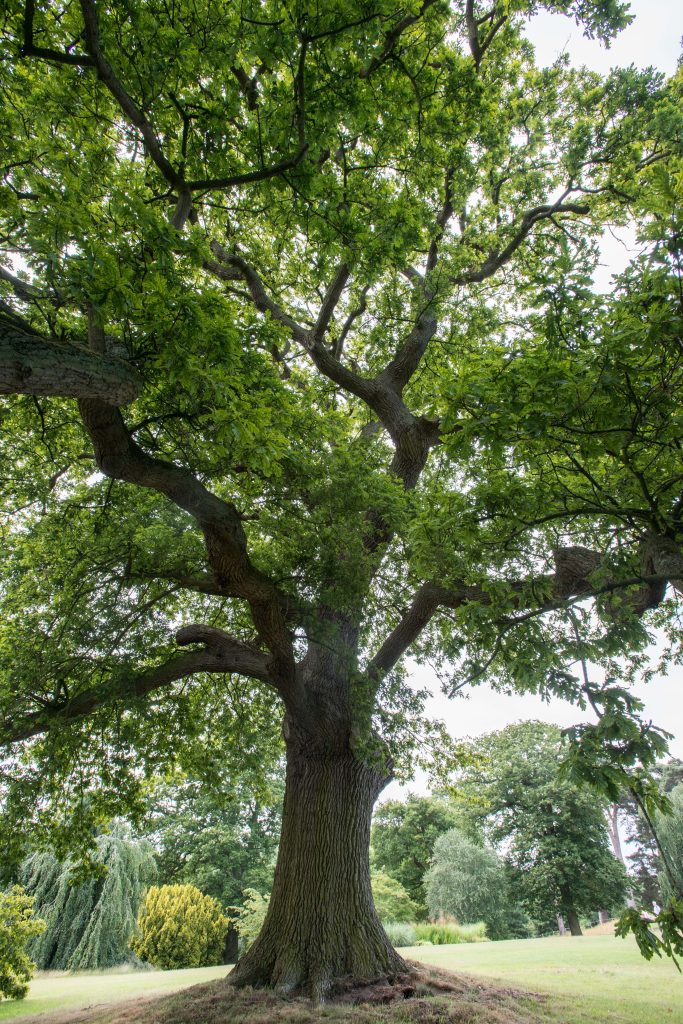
[
  {"x": 573, "y": 922},
  {"x": 231, "y": 946},
  {"x": 321, "y": 924},
  {"x": 613, "y": 828}
]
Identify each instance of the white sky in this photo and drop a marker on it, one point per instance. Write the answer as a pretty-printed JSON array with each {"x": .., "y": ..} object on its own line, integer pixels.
[{"x": 653, "y": 39}]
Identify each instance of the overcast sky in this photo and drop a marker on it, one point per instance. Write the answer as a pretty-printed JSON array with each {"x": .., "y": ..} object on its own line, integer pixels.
[{"x": 653, "y": 39}]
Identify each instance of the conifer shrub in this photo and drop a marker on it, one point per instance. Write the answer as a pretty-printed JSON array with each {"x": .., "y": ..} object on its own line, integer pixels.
[
  {"x": 178, "y": 926},
  {"x": 17, "y": 927}
]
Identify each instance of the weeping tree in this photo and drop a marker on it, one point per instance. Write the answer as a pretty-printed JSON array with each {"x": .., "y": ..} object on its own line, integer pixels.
[
  {"x": 467, "y": 880},
  {"x": 89, "y": 920},
  {"x": 344, "y": 252}
]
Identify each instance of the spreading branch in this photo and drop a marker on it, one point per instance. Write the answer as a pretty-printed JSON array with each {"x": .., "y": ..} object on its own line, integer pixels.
[
  {"x": 22, "y": 289},
  {"x": 412, "y": 436},
  {"x": 497, "y": 258},
  {"x": 29, "y": 48},
  {"x": 95, "y": 58},
  {"x": 129, "y": 107},
  {"x": 120, "y": 458},
  {"x": 391, "y": 39},
  {"x": 221, "y": 653},
  {"x": 479, "y": 43},
  {"x": 329, "y": 303},
  {"x": 661, "y": 561}
]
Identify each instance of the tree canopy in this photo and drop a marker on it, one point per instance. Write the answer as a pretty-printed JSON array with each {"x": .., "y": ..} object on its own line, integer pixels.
[
  {"x": 318, "y": 279},
  {"x": 554, "y": 832},
  {"x": 403, "y": 838},
  {"x": 221, "y": 843}
]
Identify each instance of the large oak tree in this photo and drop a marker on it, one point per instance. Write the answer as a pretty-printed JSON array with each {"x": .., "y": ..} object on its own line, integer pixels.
[{"x": 339, "y": 257}]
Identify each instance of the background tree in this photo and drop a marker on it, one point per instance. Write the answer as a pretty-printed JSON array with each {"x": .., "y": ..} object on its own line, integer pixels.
[
  {"x": 467, "y": 881},
  {"x": 88, "y": 922},
  {"x": 18, "y": 926},
  {"x": 670, "y": 834},
  {"x": 345, "y": 250},
  {"x": 554, "y": 832},
  {"x": 403, "y": 838},
  {"x": 643, "y": 855},
  {"x": 391, "y": 900},
  {"x": 222, "y": 843},
  {"x": 248, "y": 919}
]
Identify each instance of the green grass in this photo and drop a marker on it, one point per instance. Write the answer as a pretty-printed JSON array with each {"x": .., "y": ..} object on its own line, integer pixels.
[
  {"x": 597, "y": 979},
  {"x": 604, "y": 978},
  {"x": 53, "y": 990}
]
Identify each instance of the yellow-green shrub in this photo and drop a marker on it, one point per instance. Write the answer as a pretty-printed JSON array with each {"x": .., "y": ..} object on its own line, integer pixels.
[
  {"x": 17, "y": 927},
  {"x": 179, "y": 926}
]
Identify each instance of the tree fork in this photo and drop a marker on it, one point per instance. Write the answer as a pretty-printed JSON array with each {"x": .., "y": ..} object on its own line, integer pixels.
[{"x": 322, "y": 925}]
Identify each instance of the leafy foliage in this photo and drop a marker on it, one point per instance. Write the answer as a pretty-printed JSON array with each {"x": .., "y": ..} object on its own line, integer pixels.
[
  {"x": 392, "y": 902},
  {"x": 17, "y": 927},
  {"x": 228, "y": 396},
  {"x": 655, "y": 933},
  {"x": 178, "y": 926},
  {"x": 553, "y": 832},
  {"x": 248, "y": 919},
  {"x": 403, "y": 838},
  {"x": 643, "y": 854},
  {"x": 345, "y": 251},
  {"x": 88, "y": 921},
  {"x": 223, "y": 843},
  {"x": 468, "y": 882},
  {"x": 670, "y": 835}
]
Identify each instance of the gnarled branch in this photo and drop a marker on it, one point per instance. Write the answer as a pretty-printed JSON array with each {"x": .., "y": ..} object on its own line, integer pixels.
[
  {"x": 497, "y": 258},
  {"x": 120, "y": 458},
  {"x": 221, "y": 653},
  {"x": 661, "y": 560}
]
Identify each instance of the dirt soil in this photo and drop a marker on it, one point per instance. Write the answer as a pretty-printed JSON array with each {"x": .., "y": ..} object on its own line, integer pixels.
[{"x": 429, "y": 996}]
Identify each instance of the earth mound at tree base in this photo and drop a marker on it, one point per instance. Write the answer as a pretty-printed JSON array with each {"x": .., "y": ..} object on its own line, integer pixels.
[{"x": 429, "y": 996}]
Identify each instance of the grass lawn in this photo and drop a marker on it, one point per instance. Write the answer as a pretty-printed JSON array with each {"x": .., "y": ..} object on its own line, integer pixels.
[
  {"x": 54, "y": 990},
  {"x": 604, "y": 978},
  {"x": 598, "y": 980}
]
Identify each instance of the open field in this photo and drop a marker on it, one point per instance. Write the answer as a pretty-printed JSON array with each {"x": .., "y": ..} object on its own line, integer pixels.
[
  {"x": 596, "y": 980},
  {"x": 53, "y": 990},
  {"x": 605, "y": 978}
]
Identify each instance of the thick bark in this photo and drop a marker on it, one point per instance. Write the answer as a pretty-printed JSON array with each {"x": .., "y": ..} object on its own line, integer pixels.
[
  {"x": 321, "y": 924},
  {"x": 573, "y": 922},
  {"x": 33, "y": 365}
]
